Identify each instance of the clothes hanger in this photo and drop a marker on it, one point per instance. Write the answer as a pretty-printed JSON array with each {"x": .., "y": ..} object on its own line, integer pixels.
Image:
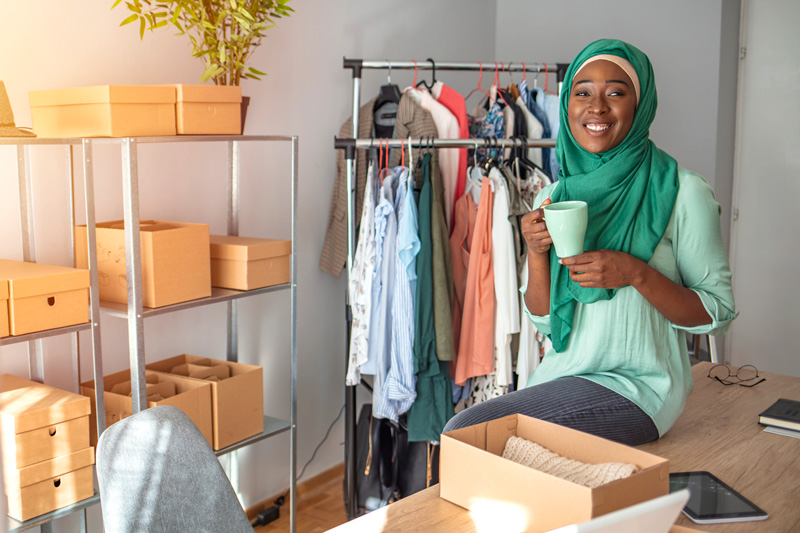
[
  {"x": 512, "y": 88},
  {"x": 478, "y": 88},
  {"x": 433, "y": 76},
  {"x": 388, "y": 93}
]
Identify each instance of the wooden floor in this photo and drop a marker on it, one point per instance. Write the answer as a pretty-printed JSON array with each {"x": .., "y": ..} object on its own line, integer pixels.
[{"x": 320, "y": 505}]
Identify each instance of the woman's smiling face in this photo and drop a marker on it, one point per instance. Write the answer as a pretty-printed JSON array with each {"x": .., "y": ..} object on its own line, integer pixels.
[{"x": 601, "y": 106}]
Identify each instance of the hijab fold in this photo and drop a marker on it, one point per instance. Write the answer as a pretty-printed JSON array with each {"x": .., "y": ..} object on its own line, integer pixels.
[{"x": 630, "y": 189}]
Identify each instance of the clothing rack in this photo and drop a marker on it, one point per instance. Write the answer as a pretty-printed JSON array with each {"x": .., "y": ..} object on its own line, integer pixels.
[{"x": 351, "y": 147}]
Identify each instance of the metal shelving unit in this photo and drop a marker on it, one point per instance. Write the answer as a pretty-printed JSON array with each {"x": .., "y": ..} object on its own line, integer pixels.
[
  {"x": 36, "y": 371},
  {"x": 134, "y": 311}
]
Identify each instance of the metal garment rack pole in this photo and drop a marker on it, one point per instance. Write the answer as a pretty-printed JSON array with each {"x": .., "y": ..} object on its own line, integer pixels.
[{"x": 356, "y": 66}]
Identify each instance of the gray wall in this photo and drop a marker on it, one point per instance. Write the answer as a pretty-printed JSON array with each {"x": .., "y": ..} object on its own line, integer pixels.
[{"x": 692, "y": 46}]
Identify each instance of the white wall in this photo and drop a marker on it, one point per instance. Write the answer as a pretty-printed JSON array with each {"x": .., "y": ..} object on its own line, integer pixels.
[{"x": 307, "y": 93}]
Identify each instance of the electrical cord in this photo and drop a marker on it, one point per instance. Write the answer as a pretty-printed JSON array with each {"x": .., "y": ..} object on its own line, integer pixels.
[{"x": 280, "y": 500}]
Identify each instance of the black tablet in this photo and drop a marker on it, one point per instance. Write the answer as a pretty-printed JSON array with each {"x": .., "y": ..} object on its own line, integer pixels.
[{"x": 711, "y": 501}]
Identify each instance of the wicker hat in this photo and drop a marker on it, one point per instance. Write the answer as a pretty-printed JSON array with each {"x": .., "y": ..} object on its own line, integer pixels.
[{"x": 7, "y": 126}]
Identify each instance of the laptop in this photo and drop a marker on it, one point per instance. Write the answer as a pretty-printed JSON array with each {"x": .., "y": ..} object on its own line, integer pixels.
[{"x": 653, "y": 516}]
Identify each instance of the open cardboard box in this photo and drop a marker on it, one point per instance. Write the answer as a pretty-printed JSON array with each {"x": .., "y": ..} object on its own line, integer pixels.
[
  {"x": 175, "y": 259},
  {"x": 193, "y": 397},
  {"x": 237, "y": 400},
  {"x": 474, "y": 475}
]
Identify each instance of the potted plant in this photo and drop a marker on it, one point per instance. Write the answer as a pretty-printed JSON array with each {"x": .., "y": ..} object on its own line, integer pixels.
[{"x": 224, "y": 33}]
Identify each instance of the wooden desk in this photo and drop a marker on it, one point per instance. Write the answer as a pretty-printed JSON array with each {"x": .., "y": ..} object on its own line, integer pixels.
[{"x": 718, "y": 432}]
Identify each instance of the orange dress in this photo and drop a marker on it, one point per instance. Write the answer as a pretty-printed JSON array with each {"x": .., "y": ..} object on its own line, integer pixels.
[{"x": 476, "y": 335}]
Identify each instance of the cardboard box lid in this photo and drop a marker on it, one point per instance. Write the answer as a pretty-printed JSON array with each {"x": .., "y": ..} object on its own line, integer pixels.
[
  {"x": 32, "y": 279},
  {"x": 28, "y": 405},
  {"x": 49, "y": 469},
  {"x": 208, "y": 93},
  {"x": 246, "y": 248},
  {"x": 3, "y": 289},
  {"x": 144, "y": 225},
  {"x": 104, "y": 94}
]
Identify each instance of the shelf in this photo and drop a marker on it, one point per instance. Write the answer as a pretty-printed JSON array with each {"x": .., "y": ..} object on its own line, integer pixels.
[
  {"x": 42, "y": 334},
  {"x": 272, "y": 426},
  {"x": 12, "y": 141},
  {"x": 217, "y": 295},
  {"x": 13, "y": 525}
]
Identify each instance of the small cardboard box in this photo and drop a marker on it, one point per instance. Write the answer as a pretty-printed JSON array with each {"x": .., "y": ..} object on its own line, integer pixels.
[
  {"x": 4, "y": 331},
  {"x": 474, "y": 474},
  {"x": 193, "y": 397},
  {"x": 104, "y": 111},
  {"x": 175, "y": 261},
  {"x": 244, "y": 263},
  {"x": 44, "y": 297},
  {"x": 39, "y": 422},
  {"x": 208, "y": 109},
  {"x": 237, "y": 401},
  {"x": 49, "y": 485}
]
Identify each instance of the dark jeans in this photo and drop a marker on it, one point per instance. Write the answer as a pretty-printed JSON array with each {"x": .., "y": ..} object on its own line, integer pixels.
[{"x": 572, "y": 402}]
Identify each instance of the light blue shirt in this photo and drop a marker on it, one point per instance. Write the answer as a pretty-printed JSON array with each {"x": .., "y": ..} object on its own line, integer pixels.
[
  {"x": 399, "y": 391},
  {"x": 382, "y": 292}
]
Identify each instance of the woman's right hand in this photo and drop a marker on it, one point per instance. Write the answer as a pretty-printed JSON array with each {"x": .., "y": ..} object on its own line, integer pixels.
[{"x": 534, "y": 230}]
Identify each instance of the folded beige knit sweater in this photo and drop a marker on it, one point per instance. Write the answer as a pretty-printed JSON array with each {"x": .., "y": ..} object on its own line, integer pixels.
[{"x": 530, "y": 454}]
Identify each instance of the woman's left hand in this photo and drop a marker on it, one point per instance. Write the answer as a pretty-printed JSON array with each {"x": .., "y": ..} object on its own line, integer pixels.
[{"x": 604, "y": 269}]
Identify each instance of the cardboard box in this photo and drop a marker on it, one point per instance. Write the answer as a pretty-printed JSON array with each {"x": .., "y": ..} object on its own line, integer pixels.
[
  {"x": 4, "y": 331},
  {"x": 193, "y": 397},
  {"x": 237, "y": 401},
  {"x": 104, "y": 111},
  {"x": 175, "y": 261},
  {"x": 49, "y": 485},
  {"x": 208, "y": 109},
  {"x": 474, "y": 475},
  {"x": 244, "y": 263},
  {"x": 38, "y": 422},
  {"x": 43, "y": 297}
]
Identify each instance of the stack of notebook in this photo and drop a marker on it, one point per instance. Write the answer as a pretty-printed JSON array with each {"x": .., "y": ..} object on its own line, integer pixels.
[{"x": 782, "y": 418}]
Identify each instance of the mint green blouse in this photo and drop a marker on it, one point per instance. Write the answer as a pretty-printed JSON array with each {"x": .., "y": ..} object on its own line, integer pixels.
[{"x": 628, "y": 346}]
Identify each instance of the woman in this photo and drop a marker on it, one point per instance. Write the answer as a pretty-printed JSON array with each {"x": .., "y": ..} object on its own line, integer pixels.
[{"x": 655, "y": 266}]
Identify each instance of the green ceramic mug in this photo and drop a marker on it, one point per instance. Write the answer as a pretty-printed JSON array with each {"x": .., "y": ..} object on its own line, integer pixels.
[{"x": 566, "y": 222}]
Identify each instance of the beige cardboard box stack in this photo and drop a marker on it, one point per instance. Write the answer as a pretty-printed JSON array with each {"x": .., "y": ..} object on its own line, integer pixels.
[
  {"x": 244, "y": 263},
  {"x": 4, "y": 308},
  {"x": 44, "y": 297},
  {"x": 104, "y": 111},
  {"x": 47, "y": 460},
  {"x": 190, "y": 396},
  {"x": 208, "y": 109},
  {"x": 237, "y": 394},
  {"x": 175, "y": 261},
  {"x": 474, "y": 474}
]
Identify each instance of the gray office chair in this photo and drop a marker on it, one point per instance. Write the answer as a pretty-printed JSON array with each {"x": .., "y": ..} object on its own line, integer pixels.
[{"x": 157, "y": 473}]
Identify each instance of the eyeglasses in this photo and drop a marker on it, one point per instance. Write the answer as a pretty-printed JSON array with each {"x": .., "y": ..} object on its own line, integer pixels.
[{"x": 743, "y": 376}]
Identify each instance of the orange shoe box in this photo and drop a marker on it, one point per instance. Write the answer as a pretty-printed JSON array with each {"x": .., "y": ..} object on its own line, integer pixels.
[
  {"x": 244, "y": 263},
  {"x": 208, "y": 109},
  {"x": 43, "y": 297},
  {"x": 104, "y": 111}
]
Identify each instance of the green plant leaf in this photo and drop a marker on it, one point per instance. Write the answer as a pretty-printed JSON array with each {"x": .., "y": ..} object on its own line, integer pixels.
[
  {"x": 134, "y": 8},
  {"x": 116, "y": 4},
  {"x": 129, "y": 19},
  {"x": 256, "y": 71},
  {"x": 160, "y": 24},
  {"x": 141, "y": 27}
]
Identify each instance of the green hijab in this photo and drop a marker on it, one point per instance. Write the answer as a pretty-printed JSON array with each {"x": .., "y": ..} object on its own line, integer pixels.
[{"x": 630, "y": 189}]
